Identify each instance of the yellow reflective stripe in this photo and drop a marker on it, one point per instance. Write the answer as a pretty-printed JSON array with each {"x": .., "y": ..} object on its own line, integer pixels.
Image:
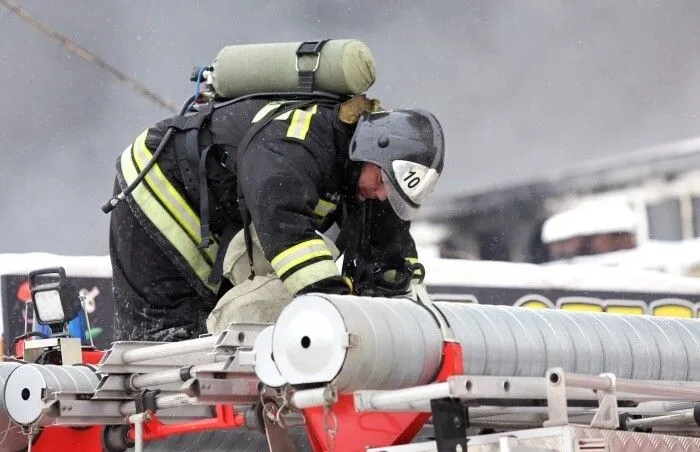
[
  {"x": 310, "y": 274},
  {"x": 169, "y": 196},
  {"x": 268, "y": 108},
  {"x": 301, "y": 260},
  {"x": 295, "y": 248},
  {"x": 301, "y": 120},
  {"x": 166, "y": 192},
  {"x": 298, "y": 254},
  {"x": 165, "y": 223},
  {"x": 412, "y": 260},
  {"x": 324, "y": 208}
]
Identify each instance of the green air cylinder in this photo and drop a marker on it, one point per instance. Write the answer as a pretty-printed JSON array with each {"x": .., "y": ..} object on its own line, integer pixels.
[{"x": 346, "y": 66}]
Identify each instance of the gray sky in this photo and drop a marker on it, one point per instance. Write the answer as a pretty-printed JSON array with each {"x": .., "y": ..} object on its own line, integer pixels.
[{"x": 521, "y": 86}]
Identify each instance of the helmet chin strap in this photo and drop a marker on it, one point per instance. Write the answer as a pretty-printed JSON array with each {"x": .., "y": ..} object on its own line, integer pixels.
[
  {"x": 352, "y": 178},
  {"x": 353, "y": 210}
]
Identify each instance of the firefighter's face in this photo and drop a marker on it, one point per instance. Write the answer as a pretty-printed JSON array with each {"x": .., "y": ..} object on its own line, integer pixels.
[{"x": 371, "y": 183}]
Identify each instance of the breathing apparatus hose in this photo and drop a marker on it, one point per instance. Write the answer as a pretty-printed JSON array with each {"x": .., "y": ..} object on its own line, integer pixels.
[{"x": 112, "y": 203}]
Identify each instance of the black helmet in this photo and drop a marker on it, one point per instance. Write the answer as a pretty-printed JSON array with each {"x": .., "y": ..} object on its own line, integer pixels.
[{"x": 409, "y": 147}]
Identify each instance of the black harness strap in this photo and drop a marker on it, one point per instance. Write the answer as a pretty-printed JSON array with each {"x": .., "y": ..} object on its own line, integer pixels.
[
  {"x": 217, "y": 270},
  {"x": 354, "y": 239},
  {"x": 187, "y": 148},
  {"x": 204, "y": 199}
]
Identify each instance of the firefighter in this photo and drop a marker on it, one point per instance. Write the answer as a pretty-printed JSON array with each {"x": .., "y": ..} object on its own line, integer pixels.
[{"x": 300, "y": 171}]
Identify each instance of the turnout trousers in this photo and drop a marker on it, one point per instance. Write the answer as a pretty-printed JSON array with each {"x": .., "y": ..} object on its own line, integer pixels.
[{"x": 153, "y": 300}]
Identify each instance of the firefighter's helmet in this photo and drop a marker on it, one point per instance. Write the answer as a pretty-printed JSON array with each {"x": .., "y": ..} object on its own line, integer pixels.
[{"x": 409, "y": 147}]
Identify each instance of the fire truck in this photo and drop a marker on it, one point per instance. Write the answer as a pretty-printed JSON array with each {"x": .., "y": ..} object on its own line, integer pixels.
[{"x": 348, "y": 373}]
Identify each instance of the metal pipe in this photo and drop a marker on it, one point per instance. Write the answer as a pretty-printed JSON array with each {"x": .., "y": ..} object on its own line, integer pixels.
[
  {"x": 173, "y": 348},
  {"x": 309, "y": 398},
  {"x": 594, "y": 382},
  {"x": 163, "y": 402},
  {"x": 676, "y": 418},
  {"x": 687, "y": 392},
  {"x": 151, "y": 379},
  {"x": 491, "y": 411},
  {"x": 604, "y": 383},
  {"x": 389, "y": 399},
  {"x": 138, "y": 434},
  {"x": 658, "y": 408},
  {"x": 137, "y": 420}
]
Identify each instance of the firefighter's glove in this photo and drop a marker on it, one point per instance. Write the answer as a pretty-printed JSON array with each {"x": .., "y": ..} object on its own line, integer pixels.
[
  {"x": 351, "y": 110},
  {"x": 385, "y": 281}
]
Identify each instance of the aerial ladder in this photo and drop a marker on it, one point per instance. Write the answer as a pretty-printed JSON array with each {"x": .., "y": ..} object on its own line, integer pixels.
[{"x": 351, "y": 373}]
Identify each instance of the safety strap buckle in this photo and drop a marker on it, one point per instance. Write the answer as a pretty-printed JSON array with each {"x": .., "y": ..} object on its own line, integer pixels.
[
  {"x": 193, "y": 121},
  {"x": 306, "y": 76}
]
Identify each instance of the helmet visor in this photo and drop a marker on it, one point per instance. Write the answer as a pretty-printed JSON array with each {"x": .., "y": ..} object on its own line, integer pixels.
[{"x": 403, "y": 209}]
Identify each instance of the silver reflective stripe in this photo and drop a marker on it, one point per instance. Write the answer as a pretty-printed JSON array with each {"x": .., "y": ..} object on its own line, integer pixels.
[
  {"x": 163, "y": 218},
  {"x": 298, "y": 254},
  {"x": 324, "y": 208},
  {"x": 310, "y": 274},
  {"x": 269, "y": 107},
  {"x": 301, "y": 121}
]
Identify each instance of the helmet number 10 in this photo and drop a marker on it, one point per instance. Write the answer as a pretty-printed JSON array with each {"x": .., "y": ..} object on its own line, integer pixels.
[{"x": 411, "y": 179}]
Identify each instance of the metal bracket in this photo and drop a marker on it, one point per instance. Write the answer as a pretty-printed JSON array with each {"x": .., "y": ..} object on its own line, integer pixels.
[
  {"x": 450, "y": 421},
  {"x": 350, "y": 340},
  {"x": 69, "y": 348},
  {"x": 75, "y": 409},
  {"x": 223, "y": 387},
  {"x": 556, "y": 398},
  {"x": 607, "y": 415},
  {"x": 238, "y": 335}
]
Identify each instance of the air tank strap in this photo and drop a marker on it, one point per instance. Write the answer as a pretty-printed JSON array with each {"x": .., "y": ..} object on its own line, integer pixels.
[{"x": 306, "y": 76}]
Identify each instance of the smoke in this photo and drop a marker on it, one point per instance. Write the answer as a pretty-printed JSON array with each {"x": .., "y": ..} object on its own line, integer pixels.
[{"x": 521, "y": 87}]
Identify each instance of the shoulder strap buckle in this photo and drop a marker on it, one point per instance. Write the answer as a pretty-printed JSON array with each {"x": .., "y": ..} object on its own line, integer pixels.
[{"x": 306, "y": 76}]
